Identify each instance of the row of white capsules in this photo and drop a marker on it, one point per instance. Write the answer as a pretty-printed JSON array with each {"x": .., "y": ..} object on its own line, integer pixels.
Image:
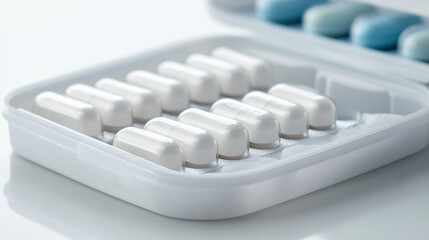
[
  {"x": 215, "y": 136},
  {"x": 264, "y": 116},
  {"x": 114, "y": 105},
  {"x": 221, "y": 135},
  {"x": 285, "y": 112},
  {"x": 261, "y": 119},
  {"x": 201, "y": 146},
  {"x": 202, "y": 135},
  {"x": 209, "y": 77},
  {"x": 91, "y": 111}
]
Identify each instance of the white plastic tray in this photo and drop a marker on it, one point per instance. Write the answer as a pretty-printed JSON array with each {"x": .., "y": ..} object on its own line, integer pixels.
[{"x": 374, "y": 134}]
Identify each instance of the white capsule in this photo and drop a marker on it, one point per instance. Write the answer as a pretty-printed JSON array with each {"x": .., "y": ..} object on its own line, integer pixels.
[
  {"x": 258, "y": 69},
  {"x": 231, "y": 136},
  {"x": 115, "y": 111},
  {"x": 262, "y": 126},
  {"x": 173, "y": 94},
  {"x": 321, "y": 110},
  {"x": 203, "y": 86},
  {"x": 68, "y": 112},
  {"x": 145, "y": 104},
  {"x": 234, "y": 81},
  {"x": 150, "y": 146},
  {"x": 293, "y": 118},
  {"x": 197, "y": 144}
]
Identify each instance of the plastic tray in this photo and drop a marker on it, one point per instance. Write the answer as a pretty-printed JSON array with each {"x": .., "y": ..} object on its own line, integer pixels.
[
  {"x": 241, "y": 13},
  {"x": 382, "y": 117}
]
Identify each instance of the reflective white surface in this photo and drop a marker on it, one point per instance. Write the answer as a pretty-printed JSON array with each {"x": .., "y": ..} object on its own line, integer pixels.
[{"x": 41, "y": 39}]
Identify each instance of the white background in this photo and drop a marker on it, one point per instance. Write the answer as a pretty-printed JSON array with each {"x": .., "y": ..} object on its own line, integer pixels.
[{"x": 45, "y": 38}]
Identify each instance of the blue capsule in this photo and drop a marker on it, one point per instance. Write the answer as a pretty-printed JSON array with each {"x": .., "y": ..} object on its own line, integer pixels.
[
  {"x": 284, "y": 11},
  {"x": 334, "y": 19},
  {"x": 381, "y": 31},
  {"x": 414, "y": 43}
]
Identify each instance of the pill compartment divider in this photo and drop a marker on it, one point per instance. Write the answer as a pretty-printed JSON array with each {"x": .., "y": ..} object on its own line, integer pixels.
[{"x": 220, "y": 195}]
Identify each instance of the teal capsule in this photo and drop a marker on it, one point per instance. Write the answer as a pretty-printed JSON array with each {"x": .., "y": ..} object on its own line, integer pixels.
[
  {"x": 334, "y": 19},
  {"x": 381, "y": 31},
  {"x": 284, "y": 11},
  {"x": 414, "y": 43}
]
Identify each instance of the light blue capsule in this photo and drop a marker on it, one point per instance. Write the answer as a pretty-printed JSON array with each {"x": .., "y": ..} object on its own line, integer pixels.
[
  {"x": 334, "y": 19},
  {"x": 414, "y": 43},
  {"x": 381, "y": 31},
  {"x": 284, "y": 11}
]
